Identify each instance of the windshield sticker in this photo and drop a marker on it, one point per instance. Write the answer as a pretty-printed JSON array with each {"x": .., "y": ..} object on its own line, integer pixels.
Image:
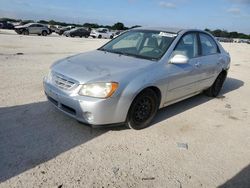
[{"x": 164, "y": 34}]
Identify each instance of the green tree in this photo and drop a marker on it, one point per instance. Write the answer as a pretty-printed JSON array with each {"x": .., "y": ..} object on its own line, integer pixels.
[{"x": 118, "y": 26}]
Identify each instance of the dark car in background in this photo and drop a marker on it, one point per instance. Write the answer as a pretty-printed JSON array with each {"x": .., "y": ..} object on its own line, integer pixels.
[
  {"x": 6, "y": 25},
  {"x": 61, "y": 30},
  {"x": 33, "y": 28},
  {"x": 77, "y": 32}
]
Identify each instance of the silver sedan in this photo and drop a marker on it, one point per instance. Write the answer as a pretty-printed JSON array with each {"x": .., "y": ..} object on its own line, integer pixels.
[{"x": 128, "y": 79}]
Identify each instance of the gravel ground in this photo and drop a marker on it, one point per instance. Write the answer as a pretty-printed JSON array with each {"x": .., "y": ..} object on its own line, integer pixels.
[{"x": 199, "y": 142}]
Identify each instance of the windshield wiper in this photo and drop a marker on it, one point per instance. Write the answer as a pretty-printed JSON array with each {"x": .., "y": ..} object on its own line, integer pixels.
[{"x": 128, "y": 54}]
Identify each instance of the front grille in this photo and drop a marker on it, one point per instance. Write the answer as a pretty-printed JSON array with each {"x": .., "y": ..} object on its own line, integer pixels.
[{"x": 63, "y": 82}]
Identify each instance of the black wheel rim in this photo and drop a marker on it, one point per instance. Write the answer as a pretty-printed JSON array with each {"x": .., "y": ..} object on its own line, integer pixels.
[{"x": 143, "y": 110}]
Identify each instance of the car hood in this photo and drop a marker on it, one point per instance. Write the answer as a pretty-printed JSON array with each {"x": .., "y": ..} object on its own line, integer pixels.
[{"x": 99, "y": 66}]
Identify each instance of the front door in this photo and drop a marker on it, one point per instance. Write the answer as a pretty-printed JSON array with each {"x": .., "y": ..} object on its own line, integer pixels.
[{"x": 184, "y": 78}]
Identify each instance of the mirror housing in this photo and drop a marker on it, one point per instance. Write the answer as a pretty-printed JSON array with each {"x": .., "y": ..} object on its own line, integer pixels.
[{"x": 179, "y": 59}]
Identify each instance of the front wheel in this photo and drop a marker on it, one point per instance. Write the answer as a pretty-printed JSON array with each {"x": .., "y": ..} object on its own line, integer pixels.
[
  {"x": 26, "y": 32},
  {"x": 142, "y": 110},
  {"x": 214, "y": 90}
]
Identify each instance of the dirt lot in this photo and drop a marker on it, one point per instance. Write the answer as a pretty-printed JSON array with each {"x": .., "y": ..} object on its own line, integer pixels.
[{"x": 200, "y": 142}]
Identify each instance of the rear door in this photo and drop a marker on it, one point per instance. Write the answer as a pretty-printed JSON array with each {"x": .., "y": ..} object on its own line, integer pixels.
[
  {"x": 184, "y": 78},
  {"x": 77, "y": 32},
  {"x": 36, "y": 29},
  {"x": 209, "y": 60}
]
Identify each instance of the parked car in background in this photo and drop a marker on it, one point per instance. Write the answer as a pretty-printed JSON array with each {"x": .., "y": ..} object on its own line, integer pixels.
[
  {"x": 6, "y": 25},
  {"x": 117, "y": 33},
  {"x": 61, "y": 30},
  {"x": 52, "y": 28},
  {"x": 77, "y": 32},
  {"x": 102, "y": 33},
  {"x": 223, "y": 39},
  {"x": 128, "y": 79},
  {"x": 33, "y": 28}
]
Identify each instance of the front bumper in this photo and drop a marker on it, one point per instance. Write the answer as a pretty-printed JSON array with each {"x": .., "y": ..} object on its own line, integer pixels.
[
  {"x": 95, "y": 35},
  {"x": 88, "y": 110}
]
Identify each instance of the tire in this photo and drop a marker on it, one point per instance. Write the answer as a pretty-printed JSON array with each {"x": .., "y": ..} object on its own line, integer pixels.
[
  {"x": 111, "y": 36},
  {"x": 99, "y": 36},
  {"x": 142, "y": 110},
  {"x": 44, "y": 33},
  {"x": 215, "y": 89},
  {"x": 25, "y": 32},
  {"x": 18, "y": 31}
]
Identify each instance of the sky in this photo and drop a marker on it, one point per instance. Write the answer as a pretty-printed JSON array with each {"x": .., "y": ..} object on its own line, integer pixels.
[{"x": 231, "y": 15}]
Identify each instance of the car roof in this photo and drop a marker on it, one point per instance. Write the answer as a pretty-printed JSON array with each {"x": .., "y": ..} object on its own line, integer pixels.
[
  {"x": 28, "y": 24},
  {"x": 166, "y": 29}
]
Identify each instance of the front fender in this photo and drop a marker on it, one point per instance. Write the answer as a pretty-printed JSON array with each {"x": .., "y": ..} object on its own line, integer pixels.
[{"x": 133, "y": 87}]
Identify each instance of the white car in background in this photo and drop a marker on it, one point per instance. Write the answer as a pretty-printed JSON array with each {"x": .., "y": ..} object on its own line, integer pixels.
[{"x": 102, "y": 33}]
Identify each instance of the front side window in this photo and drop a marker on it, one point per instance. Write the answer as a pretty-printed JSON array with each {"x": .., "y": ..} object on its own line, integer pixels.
[
  {"x": 141, "y": 43},
  {"x": 187, "y": 46},
  {"x": 208, "y": 45}
]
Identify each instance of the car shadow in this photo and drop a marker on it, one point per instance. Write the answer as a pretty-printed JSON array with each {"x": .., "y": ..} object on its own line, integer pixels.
[
  {"x": 241, "y": 179},
  {"x": 230, "y": 84},
  {"x": 32, "y": 134}
]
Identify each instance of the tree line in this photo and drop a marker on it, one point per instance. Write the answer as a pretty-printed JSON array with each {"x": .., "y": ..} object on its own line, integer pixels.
[
  {"x": 226, "y": 34},
  {"x": 116, "y": 26},
  {"x": 121, "y": 26}
]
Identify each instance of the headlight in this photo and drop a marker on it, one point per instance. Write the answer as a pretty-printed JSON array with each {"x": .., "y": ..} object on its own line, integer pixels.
[{"x": 98, "y": 90}]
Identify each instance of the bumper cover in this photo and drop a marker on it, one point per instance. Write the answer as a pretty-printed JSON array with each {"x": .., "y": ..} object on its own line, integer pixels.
[{"x": 88, "y": 110}]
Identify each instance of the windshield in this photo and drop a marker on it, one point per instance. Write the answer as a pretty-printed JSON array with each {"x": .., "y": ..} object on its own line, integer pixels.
[{"x": 141, "y": 43}]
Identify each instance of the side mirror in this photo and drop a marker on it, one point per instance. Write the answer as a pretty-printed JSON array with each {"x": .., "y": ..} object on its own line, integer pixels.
[{"x": 179, "y": 59}]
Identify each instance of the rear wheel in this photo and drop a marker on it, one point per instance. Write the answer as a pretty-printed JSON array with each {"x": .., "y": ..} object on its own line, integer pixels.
[
  {"x": 142, "y": 110},
  {"x": 214, "y": 90},
  {"x": 44, "y": 33},
  {"x": 100, "y": 36}
]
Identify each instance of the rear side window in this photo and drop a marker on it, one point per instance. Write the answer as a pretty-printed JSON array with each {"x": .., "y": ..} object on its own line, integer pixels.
[{"x": 208, "y": 45}]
